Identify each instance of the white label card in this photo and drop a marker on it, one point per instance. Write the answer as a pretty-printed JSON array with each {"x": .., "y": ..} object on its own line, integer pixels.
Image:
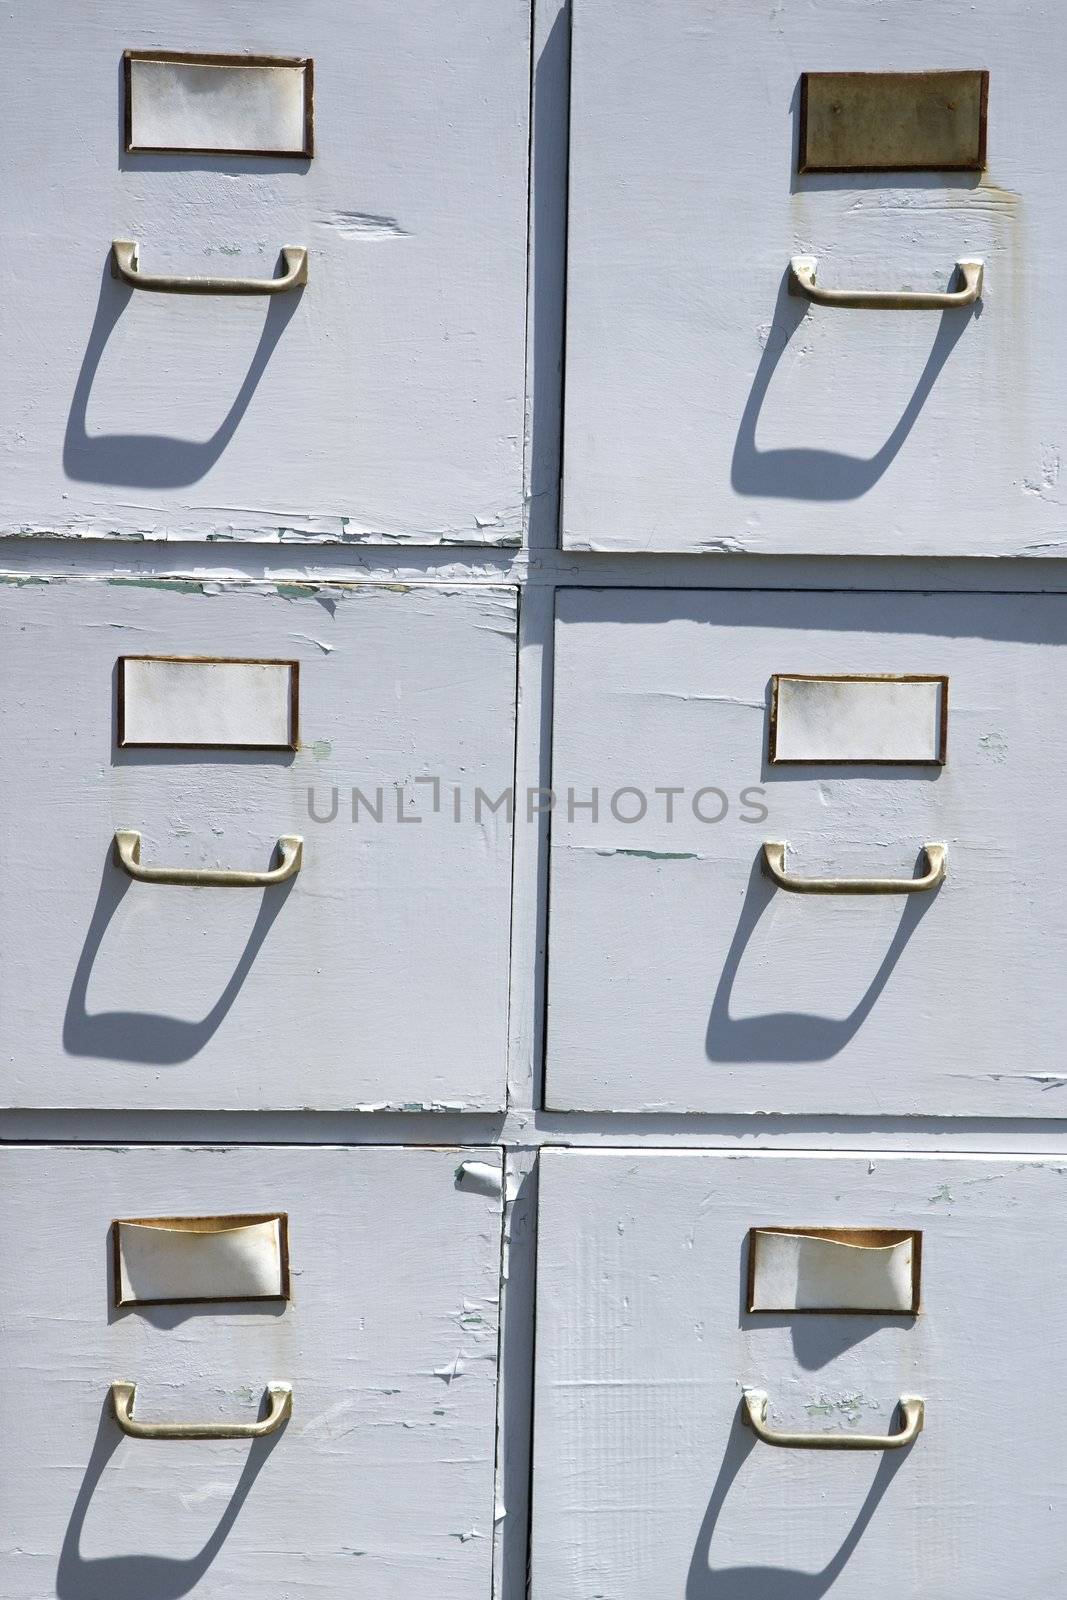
[
  {"x": 834, "y": 1270},
  {"x": 877, "y": 719},
  {"x": 168, "y": 1259},
  {"x": 249, "y": 705},
  {"x": 246, "y": 106}
]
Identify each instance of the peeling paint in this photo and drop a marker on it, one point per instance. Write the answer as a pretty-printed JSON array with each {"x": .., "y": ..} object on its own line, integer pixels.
[
  {"x": 654, "y": 855},
  {"x": 168, "y": 585},
  {"x": 993, "y": 745},
  {"x": 248, "y": 526},
  {"x": 320, "y": 643},
  {"x": 368, "y": 225},
  {"x": 715, "y": 699},
  {"x": 848, "y": 1406},
  {"x": 1046, "y": 1080},
  {"x": 481, "y": 1177}
]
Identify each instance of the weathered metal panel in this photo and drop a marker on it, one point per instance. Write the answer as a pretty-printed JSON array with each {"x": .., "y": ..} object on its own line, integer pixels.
[
  {"x": 710, "y": 409},
  {"x": 378, "y": 398},
  {"x": 254, "y": 929},
  {"x": 730, "y": 934},
  {"x": 646, "y": 1480},
  {"x": 383, "y": 1475}
]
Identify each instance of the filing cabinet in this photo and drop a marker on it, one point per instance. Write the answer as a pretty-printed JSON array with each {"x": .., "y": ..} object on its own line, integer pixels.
[
  {"x": 380, "y": 401},
  {"x": 377, "y": 974},
  {"x": 550, "y": 1010},
  {"x": 707, "y": 407},
  {"x": 385, "y": 1468},
  {"x": 682, "y": 976},
  {"x": 647, "y": 1479}
]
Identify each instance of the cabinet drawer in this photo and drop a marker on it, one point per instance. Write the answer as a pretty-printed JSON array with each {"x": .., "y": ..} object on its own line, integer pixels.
[
  {"x": 384, "y": 1472},
  {"x": 381, "y": 402},
  {"x": 374, "y": 976},
  {"x": 647, "y": 1482},
  {"x": 707, "y": 407},
  {"x": 682, "y": 977}
]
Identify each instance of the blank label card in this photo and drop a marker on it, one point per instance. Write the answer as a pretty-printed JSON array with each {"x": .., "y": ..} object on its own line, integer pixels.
[
  {"x": 221, "y": 105},
  {"x": 834, "y": 1269},
  {"x": 890, "y": 720},
  {"x": 191, "y": 702},
  {"x": 174, "y": 1259}
]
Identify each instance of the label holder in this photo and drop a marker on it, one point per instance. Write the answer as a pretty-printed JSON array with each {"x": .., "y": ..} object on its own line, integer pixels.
[
  {"x": 194, "y": 59},
  {"x": 196, "y": 744},
  {"x": 873, "y": 1238},
  {"x": 858, "y": 761},
  {"x": 204, "y": 1226}
]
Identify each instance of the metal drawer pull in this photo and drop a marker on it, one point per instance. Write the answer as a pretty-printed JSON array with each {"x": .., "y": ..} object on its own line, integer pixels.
[
  {"x": 281, "y": 1409},
  {"x": 754, "y": 1416},
  {"x": 128, "y": 851},
  {"x": 124, "y": 265},
  {"x": 932, "y": 875},
  {"x": 802, "y": 282}
]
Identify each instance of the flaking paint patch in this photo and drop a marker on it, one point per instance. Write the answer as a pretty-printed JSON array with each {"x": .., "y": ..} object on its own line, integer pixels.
[
  {"x": 1046, "y": 1080},
  {"x": 249, "y": 526},
  {"x": 168, "y": 585},
  {"x": 1048, "y": 475},
  {"x": 848, "y": 1406},
  {"x": 294, "y": 591},
  {"x": 994, "y": 745},
  {"x": 714, "y": 699},
  {"x": 207, "y": 1491},
  {"x": 481, "y": 1177},
  {"x": 653, "y": 855},
  {"x": 360, "y": 225}
]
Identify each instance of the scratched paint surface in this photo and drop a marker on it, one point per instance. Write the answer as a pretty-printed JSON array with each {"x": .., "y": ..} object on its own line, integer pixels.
[
  {"x": 708, "y": 410},
  {"x": 384, "y": 402},
  {"x": 680, "y": 979},
  {"x": 383, "y": 1479},
  {"x": 379, "y": 976},
  {"x": 646, "y": 1483}
]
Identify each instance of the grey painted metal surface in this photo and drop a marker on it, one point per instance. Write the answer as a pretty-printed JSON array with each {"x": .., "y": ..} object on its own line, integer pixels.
[
  {"x": 425, "y": 510},
  {"x": 646, "y": 1479},
  {"x": 382, "y": 1475},
  {"x": 369, "y": 966},
  {"x": 710, "y": 409}
]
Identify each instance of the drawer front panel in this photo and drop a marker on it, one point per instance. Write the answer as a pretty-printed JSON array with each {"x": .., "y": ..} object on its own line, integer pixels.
[
  {"x": 383, "y": 401},
  {"x": 385, "y": 1470},
  {"x": 646, "y": 1481},
  {"x": 683, "y": 978},
  {"x": 707, "y": 407},
  {"x": 377, "y": 974}
]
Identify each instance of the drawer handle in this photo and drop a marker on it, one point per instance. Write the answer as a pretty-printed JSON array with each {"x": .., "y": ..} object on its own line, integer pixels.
[
  {"x": 281, "y": 1409},
  {"x": 802, "y": 282},
  {"x": 754, "y": 1416},
  {"x": 124, "y": 265},
  {"x": 932, "y": 875},
  {"x": 128, "y": 851}
]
